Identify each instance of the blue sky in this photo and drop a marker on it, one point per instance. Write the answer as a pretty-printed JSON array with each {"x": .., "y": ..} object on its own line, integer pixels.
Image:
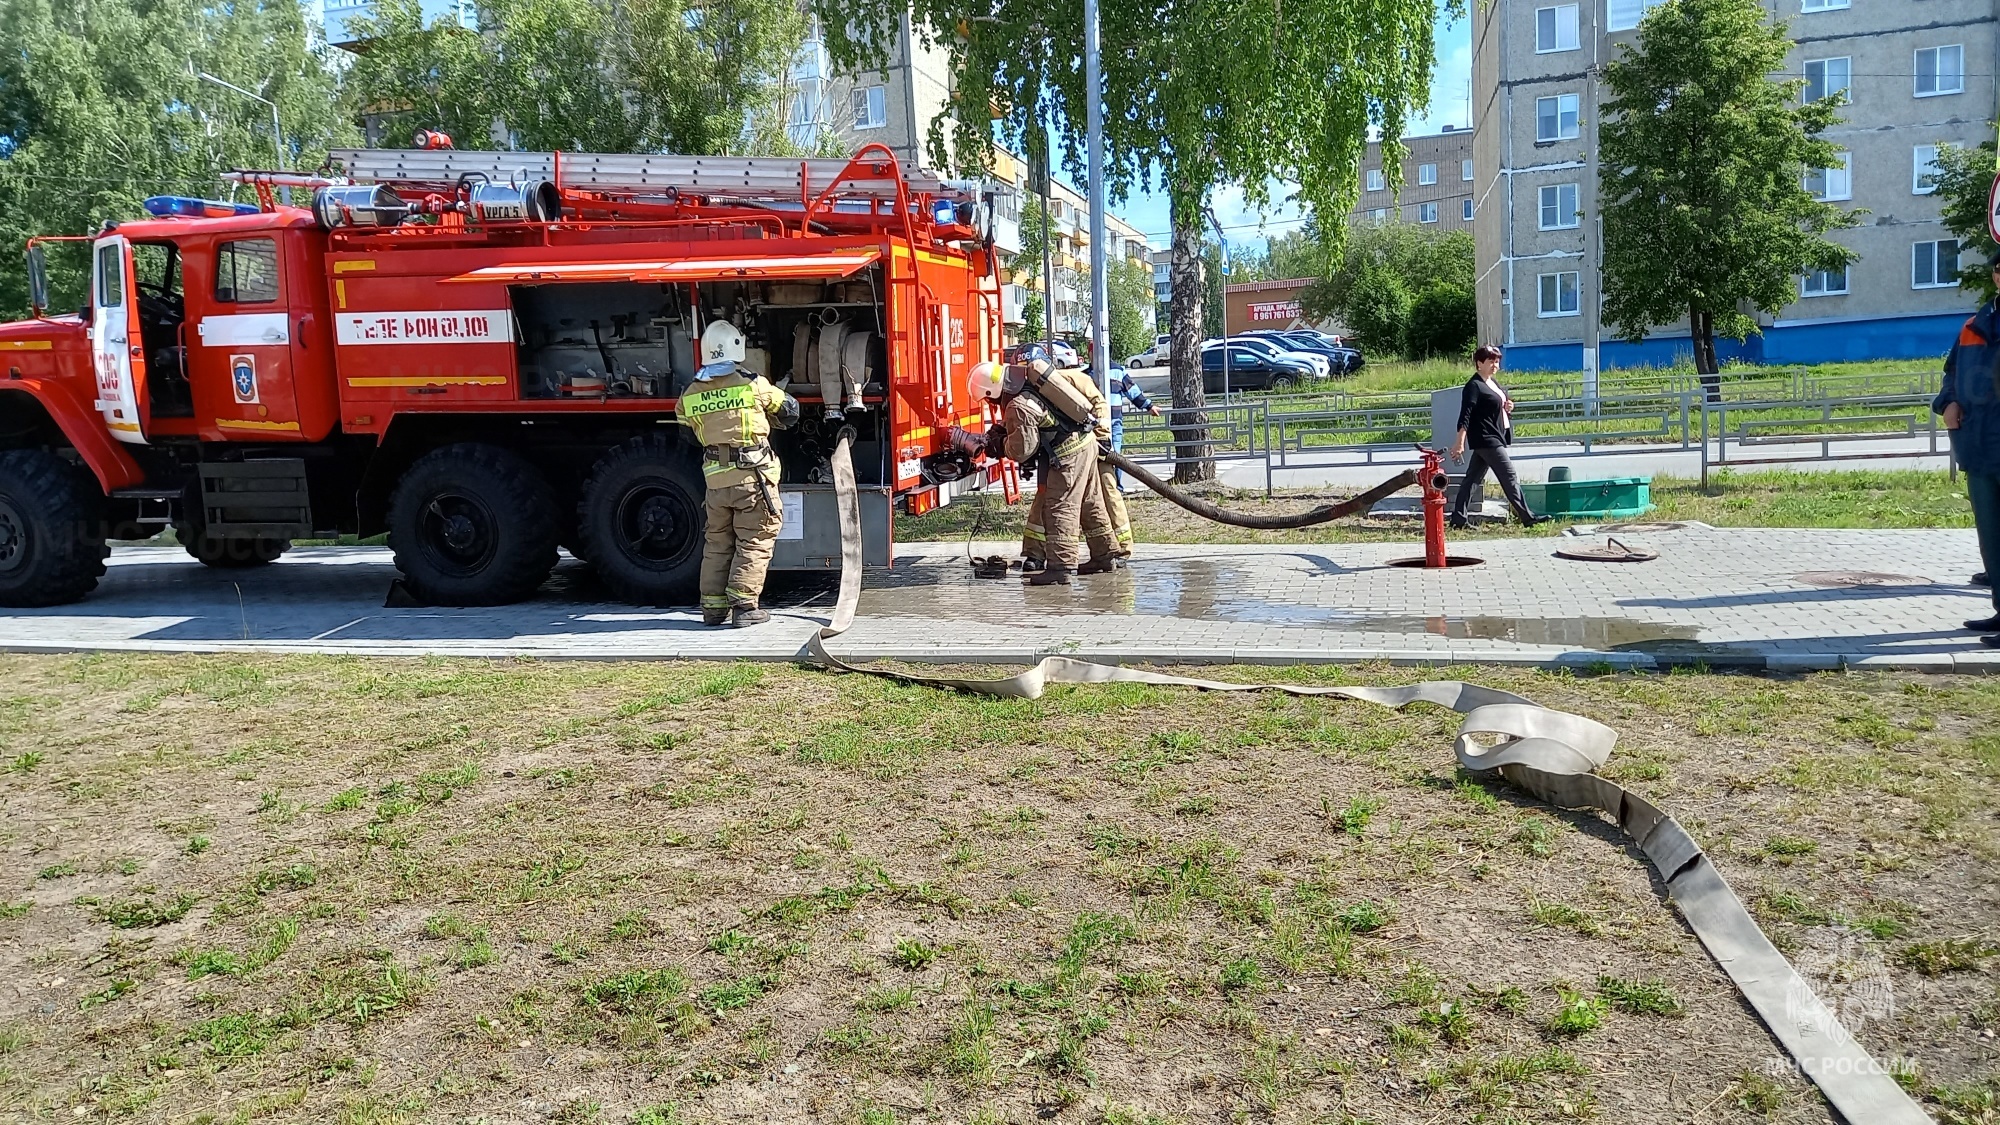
[{"x": 1450, "y": 82}]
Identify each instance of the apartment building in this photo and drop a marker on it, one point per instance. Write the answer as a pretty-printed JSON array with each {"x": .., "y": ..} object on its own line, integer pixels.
[
  {"x": 1437, "y": 183},
  {"x": 1916, "y": 74}
]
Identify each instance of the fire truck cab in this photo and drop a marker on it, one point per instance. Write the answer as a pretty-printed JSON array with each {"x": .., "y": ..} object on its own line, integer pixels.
[{"x": 480, "y": 354}]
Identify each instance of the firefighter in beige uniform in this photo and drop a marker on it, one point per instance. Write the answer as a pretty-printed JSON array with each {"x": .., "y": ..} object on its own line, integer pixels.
[
  {"x": 1049, "y": 424},
  {"x": 1100, "y": 520},
  {"x": 732, "y": 411}
]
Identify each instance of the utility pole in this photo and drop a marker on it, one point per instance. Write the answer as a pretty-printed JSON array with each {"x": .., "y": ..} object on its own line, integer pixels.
[{"x": 1100, "y": 280}]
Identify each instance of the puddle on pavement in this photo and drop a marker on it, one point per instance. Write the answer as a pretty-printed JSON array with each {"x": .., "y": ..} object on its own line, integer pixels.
[{"x": 1214, "y": 590}]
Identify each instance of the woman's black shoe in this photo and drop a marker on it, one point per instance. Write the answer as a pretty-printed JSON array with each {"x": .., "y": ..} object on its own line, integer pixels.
[
  {"x": 1535, "y": 521},
  {"x": 1459, "y": 523}
]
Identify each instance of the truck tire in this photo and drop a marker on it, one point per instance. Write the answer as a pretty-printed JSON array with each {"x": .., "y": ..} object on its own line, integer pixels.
[
  {"x": 472, "y": 524},
  {"x": 52, "y": 547},
  {"x": 641, "y": 518}
]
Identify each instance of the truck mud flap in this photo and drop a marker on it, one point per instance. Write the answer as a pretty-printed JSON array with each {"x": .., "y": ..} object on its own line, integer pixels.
[{"x": 265, "y": 498}]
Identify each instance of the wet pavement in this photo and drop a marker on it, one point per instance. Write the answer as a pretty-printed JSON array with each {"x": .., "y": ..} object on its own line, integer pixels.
[{"x": 1736, "y": 597}]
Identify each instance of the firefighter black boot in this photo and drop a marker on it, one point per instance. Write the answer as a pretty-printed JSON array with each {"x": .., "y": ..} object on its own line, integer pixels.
[
  {"x": 715, "y": 615},
  {"x": 1055, "y": 574},
  {"x": 746, "y": 615}
]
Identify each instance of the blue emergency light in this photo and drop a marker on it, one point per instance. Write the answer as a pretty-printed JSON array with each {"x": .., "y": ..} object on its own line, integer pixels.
[
  {"x": 178, "y": 206},
  {"x": 943, "y": 212}
]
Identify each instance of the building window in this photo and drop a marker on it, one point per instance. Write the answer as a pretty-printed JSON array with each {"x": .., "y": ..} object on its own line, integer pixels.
[
  {"x": 247, "y": 271},
  {"x": 1559, "y": 294},
  {"x": 1624, "y": 15},
  {"x": 1465, "y": 170},
  {"x": 1940, "y": 70},
  {"x": 1427, "y": 174},
  {"x": 1556, "y": 29},
  {"x": 1827, "y": 78},
  {"x": 1466, "y": 208},
  {"x": 1836, "y": 182},
  {"x": 1379, "y": 214},
  {"x": 1375, "y": 181},
  {"x": 1934, "y": 265},
  {"x": 1826, "y": 283},
  {"x": 1556, "y": 119},
  {"x": 871, "y": 107},
  {"x": 1427, "y": 212},
  {"x": 1924, "y": 170},
  {"x": 1558, "y": 207},
  {"x": 1823, "y": 6}
]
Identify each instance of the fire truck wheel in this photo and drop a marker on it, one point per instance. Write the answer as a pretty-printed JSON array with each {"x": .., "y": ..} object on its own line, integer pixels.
[
  {"x": 51, "y": 548},
  {"x": 472, "y": 525},
  {"x": 640, "y": 521},
  {"x": 231, "y": 553}
]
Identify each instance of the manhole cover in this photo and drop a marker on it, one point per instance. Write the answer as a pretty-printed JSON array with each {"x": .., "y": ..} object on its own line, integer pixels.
[
  {"x": 1846, "y": 579},
  {"x": 1612, "y": 551},
  {"x": 1449, "y": 561}
]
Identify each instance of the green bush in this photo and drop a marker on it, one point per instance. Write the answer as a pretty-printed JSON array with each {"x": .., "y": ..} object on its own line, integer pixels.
[{"x": 1443, "y": 322}]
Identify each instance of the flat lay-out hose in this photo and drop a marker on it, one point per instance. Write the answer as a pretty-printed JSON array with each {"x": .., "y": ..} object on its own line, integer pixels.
[{"x": 1552, "y": 754}]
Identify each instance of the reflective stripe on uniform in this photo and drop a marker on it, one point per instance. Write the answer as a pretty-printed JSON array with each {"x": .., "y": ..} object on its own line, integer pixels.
[
  {"x": 715, "y": 601},
  {"x": 1034, "y": 531},
  {"x": 1070, "y": 444},
  {"x": 738, "y": 597}
]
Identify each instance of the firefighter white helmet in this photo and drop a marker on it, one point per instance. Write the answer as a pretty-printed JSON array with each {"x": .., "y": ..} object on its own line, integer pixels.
[
  {"x": 1066, "y": 357},
  {"x": 985, "y": 380},
  {"x": 721, "y": 349}
]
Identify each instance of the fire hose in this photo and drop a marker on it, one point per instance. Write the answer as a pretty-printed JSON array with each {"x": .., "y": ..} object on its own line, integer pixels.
[
  {"x": 1551, "y": 754},
  {"x": 1325, "y": 513}
]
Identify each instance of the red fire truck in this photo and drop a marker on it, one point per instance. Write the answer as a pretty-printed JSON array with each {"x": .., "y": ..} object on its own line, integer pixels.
[{"x": 479, "y": 353}]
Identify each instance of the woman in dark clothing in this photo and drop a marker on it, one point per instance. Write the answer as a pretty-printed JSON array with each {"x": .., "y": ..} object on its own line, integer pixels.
[{"x": 1483, "y": 428}]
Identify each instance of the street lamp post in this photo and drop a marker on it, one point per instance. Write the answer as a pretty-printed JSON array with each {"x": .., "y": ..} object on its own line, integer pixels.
[{"x": 277, "y": 131}]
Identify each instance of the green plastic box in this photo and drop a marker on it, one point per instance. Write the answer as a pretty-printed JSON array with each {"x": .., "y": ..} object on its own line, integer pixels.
[{"x": 1615, "y": 498}]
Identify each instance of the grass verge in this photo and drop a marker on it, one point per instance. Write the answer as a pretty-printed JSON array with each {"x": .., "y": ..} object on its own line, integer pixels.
[{"x": 453, "y": 889}]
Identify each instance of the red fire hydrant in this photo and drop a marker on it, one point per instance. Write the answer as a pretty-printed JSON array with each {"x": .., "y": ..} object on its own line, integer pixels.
[{"x": 1434, "y": 481}]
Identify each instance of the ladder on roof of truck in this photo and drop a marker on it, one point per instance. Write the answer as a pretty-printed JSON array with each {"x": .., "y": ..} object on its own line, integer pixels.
[{"x": 760, "y": 178}]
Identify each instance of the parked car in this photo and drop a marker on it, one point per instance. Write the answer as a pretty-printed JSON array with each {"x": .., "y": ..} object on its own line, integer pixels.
[
  {"x": 1344, "y": 360},
  {"x": 1250, "y": 368},
  {"x": 1163, "y": 346},
  {"x": 1322, "y": 366}
]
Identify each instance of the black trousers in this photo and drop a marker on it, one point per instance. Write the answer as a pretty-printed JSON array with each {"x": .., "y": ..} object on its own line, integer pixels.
[{"x": 1478, "y": 460}]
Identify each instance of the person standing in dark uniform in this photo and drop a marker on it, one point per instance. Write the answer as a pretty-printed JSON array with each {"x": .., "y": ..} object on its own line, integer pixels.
[
  {"x": 1969, "y": 400},
  {"x": 1484, "y": 430}
]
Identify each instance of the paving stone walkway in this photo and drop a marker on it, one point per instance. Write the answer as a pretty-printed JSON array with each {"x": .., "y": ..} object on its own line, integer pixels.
[{"x": 1722, "y": 597}]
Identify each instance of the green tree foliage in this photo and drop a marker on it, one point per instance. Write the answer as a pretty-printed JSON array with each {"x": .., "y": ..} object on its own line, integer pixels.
[
  {"x": 1195, "y": 95},
  {"x": 99, "y": 109},
  {"x": 1703, "y": 164},
  {"x": 1388, "y": 271},
  {"x": 1033, "y": 327},
  {"x": 1131, "y": 293},
  {"x": 585, "y": 75},
  {"x": 1965, "y": 179},
  {"x": 1443, "y": 322}
]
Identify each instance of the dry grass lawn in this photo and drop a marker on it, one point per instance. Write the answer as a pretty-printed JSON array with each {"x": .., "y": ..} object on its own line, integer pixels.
[{"x": 352, "y": 891}]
